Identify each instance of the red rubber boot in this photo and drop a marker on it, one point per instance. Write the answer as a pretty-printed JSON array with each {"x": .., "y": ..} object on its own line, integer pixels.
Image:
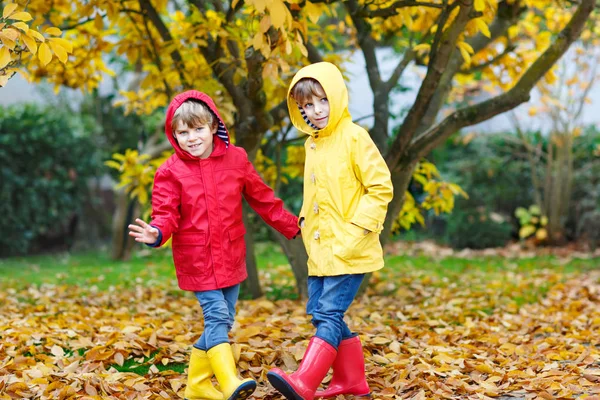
[
  {"x": 302, "y": 384},
  {"x": 348, "y": 371}
]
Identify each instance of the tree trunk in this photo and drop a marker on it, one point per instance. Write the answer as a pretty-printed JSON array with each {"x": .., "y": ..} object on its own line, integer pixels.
[
  {"x": 298, "y": 258},
  {"x": 125, "y": 209},
  {"x": 251, "y": 286},
  {"x": 401, "y": 177}
]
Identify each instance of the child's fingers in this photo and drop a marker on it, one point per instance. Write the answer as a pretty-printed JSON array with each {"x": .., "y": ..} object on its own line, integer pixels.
[
  {"x": 142, "y": 223},
  {"x": 135, "y": 228}
]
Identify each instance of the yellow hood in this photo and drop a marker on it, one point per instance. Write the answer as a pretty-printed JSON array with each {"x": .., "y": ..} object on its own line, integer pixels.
[{"x": 330, "y": 77}]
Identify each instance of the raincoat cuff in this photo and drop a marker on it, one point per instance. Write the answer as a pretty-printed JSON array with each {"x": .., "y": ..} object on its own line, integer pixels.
[
  {"x": 291, "y": 230},
  {"x": 368, "y": 223},
  {"x": 158, "y": 240}
]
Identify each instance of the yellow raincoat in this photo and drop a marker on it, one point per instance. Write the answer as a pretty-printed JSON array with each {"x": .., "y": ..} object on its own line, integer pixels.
[{"x": 347, "y": 185}]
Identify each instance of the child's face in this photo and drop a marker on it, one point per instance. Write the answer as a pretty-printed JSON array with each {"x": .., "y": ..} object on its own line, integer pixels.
[
  {"x": 198, "y": 141},
  {"x": 317, "y": 110}
]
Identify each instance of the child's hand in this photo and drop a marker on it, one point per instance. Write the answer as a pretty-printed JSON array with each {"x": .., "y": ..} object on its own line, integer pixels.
[{"x": 142, "y": 232}]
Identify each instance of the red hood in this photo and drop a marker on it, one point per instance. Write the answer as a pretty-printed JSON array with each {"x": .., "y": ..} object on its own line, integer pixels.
[{"x": 222, "y": 132}]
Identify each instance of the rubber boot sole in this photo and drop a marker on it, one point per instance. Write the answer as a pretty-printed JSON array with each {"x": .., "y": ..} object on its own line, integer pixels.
[
  {"x": 283, "y": 387},
  {"x": 244, "y": 391}
]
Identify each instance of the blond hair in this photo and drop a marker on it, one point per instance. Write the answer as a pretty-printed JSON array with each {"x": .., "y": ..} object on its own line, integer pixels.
[
  {"x": 193, "y": 113},
  {"x": 305, "y": 88}
]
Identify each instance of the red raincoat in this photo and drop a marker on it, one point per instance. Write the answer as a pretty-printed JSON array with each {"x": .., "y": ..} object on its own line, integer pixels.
[{"x": 199, "y": 203}]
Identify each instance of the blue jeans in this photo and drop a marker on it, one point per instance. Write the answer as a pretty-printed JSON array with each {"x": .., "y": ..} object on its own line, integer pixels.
[
  {"x": 328, "y": 300},
  {"x": 218, "y": 307}
]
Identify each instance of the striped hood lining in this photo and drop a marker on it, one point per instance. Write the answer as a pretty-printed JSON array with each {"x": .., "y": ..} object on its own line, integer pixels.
[{"x": 306, "y": 119}]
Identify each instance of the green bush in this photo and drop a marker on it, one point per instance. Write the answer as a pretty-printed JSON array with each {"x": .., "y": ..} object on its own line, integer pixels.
[
  {"x": 477, "y": 229},
  {"x": 44, "y": 173}
]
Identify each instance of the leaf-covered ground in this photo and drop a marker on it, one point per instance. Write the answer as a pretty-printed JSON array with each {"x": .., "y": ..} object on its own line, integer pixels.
[{"x": 470, "y": 334}]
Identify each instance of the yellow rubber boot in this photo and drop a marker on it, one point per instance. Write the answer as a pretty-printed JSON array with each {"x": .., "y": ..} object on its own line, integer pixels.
[
  {"x": 223, "y": 365},
  {"x": 199, "y": 385}
]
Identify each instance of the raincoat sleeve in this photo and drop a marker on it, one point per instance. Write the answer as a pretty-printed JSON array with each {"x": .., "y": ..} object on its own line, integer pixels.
[
  {"x": 166, "y": 198},
  {"x": 270, "y": 208},
  {"x": 372, "y": 171}
]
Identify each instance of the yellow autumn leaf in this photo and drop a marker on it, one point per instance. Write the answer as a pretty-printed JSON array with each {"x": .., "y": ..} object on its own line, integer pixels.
[
  {"x": 526, "y": 231},
  {"x": 53, "y": 31},
  {"x": 21, "y": 16},
  {"x": 541, "y": 234},
  {"x": 257, "y": 41},
  {"x": 36, "y": 35},
  {"x": 9, "y": 9},
  {"x": 479, "y": 5},
  {"x": 65, "y": 44},
  {"x": 466, "y": 46},
  {"x": 30, "y": 43},
  {"x": 22, "y": 26},
  {"x": 44, "y": 54},
  {"x": 7, "y": 42},
  {"x": 483, "y": 27},
  {"x": 420, "y": 48},
  {"x": 465, "y": 55},
  {"x": 11, "y": 33},
  {"x": 4, "y": 56},
  {"x": 312, "y": 11},
  {"x": 279, "y": 13},
  {"x": 60, "y": 52}
]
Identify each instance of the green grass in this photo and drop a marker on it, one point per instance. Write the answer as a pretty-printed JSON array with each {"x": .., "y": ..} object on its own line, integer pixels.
[
  {"x": 91, "y": 268},
  {"x": 98, "y": 269},
  {"x": 131, "y": 365},
  {"x": 149, "y": 267}
]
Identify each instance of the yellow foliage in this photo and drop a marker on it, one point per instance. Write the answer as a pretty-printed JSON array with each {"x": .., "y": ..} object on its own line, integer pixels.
[
  {"x": 19, "y": 43},
  {"x": 136, "y": 173},
  {"x": 439, "y": 197}
]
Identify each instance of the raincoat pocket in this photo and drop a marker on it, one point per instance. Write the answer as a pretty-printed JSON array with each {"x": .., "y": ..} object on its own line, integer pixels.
[
  {"x": 350, "y": 246},
  {"x": 189, "y": 254},
  {"x": 237, "y": 247}
]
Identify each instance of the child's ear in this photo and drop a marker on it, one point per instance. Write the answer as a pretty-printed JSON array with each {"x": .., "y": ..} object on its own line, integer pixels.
[{"x": 215, "y": 126}]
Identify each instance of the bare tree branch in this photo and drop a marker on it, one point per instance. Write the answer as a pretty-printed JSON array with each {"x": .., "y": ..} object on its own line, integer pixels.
[
  {"x": 507, "y": 16},
  {"x": 518, "y": 94},
  {"x": 314, "y": 55},
  {"x": 429, "y": 85},
  {"x": 368, "y": 44},
  {"x": 393, "y": 9},
  {"x": 162, "y": 29},
  {"x": 85, "y": 21}
]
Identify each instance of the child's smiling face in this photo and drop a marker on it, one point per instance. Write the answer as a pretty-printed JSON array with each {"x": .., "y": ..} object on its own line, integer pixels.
[
  {"x": 316, "y": 108},
  {"x": 197, "y": 141}
]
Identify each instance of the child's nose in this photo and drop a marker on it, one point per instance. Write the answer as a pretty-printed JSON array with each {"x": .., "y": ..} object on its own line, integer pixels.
[{"x": 194, "y": 135}]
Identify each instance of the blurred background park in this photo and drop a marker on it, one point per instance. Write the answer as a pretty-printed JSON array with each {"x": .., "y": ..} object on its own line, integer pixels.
[{"x": 486, "y": 112}]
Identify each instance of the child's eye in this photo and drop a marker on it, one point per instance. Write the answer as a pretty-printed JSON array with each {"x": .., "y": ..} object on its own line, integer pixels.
[
  {"x": 308, "y": 105},
  {"x": 324, "y": 100}
]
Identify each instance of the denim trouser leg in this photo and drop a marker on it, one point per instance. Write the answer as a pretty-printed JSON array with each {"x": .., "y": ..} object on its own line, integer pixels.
[
  {"x": 218, "y": 307},
  {"x": 328, "y": 300}
]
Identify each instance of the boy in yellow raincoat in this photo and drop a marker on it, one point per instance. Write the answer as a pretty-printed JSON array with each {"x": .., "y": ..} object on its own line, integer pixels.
[{"x": 347, "y": 188}]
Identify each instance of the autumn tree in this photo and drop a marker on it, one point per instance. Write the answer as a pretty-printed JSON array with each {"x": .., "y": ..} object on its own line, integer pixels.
[
  {"x": 243, "y": 53},
  {"x": 552, "y": 161}
]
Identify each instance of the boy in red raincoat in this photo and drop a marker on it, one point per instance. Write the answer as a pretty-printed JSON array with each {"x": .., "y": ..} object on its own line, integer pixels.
[{"x": 197, "y": 200}]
